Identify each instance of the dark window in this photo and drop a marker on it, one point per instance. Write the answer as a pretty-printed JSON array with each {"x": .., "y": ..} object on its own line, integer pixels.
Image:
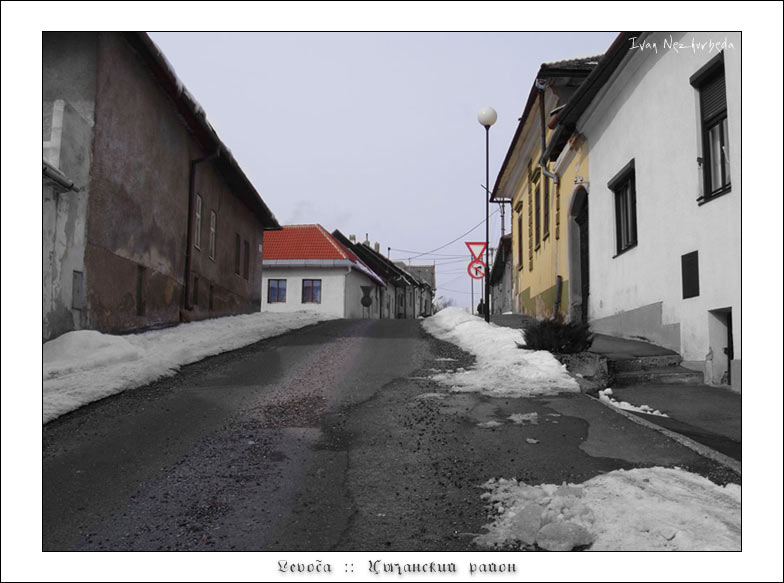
[
  {"x": 311, "y": 291},
  {"x": 520, "y": 239},
  {"x": 276, "y": 291},
  {"x": 77, "y": 290},
  {"x": 690, "y": 275},
  {"x": 546, "y": 218},
  {"x": 537, "y": 215},
  {"x": 246, "y": 262},
  {"x": 213, "y": 233},
  {"x": 623, "y": 185},
  {"x": 710, "y": 82},
  {"x": 197, "y": 234},
  {"x": 237, "y": 241},
  {"x": 140, "y": 299}
]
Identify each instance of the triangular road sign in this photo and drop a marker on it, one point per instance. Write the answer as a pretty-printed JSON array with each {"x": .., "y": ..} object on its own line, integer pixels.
[{"x": 476, "y": 248}]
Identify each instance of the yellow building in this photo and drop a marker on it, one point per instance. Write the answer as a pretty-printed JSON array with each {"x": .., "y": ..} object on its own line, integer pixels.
[{"x": 545, "y": 179}]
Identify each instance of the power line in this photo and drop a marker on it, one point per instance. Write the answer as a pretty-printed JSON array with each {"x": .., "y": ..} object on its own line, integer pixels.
[{"x": 482, "y": 222}]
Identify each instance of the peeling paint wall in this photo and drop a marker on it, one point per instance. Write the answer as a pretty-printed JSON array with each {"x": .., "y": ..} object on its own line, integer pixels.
[{"x": 68, "y": 109}]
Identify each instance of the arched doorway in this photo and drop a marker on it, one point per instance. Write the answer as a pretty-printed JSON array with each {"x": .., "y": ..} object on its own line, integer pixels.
[{"x": 579, "y": 274}]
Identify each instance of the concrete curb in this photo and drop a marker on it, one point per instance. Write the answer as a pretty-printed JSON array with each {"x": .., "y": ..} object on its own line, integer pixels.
[{"x": 701, "y": 449}]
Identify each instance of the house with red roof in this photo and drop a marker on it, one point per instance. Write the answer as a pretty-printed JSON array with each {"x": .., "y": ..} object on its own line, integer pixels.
[{"x": 306, "y": 268}]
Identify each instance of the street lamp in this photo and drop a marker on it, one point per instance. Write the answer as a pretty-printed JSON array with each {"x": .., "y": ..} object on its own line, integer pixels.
[{"x": 487, "y": 117}]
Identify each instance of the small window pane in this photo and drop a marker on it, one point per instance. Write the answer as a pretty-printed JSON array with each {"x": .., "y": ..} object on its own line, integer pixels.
[{"x": 197, "y": 227}]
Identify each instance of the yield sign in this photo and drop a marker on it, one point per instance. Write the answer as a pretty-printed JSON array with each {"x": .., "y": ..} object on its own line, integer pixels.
[{"x": 476, "y": 248}]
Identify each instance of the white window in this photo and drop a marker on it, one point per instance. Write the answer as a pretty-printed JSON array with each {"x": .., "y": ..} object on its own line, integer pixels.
[
  {"x": 197, "y": 235},
  {"x": 213, "y": 231}
]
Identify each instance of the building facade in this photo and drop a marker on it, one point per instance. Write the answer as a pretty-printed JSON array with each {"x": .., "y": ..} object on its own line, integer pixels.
[
  {"x": 662, "y": 119},
  {"x": 161, "y": 225},
  {"x": 542, "y": 177}
]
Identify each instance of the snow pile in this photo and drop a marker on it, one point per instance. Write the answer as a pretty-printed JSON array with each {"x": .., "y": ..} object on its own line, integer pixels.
[
  {"x": 606, "y": 396},
  {"x": 648, "y": 509},
  {"x": 502, "y": 369},
  {"x": 84, "y": 366}
]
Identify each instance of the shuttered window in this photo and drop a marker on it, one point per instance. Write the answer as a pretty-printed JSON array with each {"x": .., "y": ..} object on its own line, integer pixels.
[{"x": 710, "y": 81}]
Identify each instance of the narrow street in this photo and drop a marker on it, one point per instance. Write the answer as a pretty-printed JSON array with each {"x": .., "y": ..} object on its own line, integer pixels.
[{"x": 329, "y": 438}]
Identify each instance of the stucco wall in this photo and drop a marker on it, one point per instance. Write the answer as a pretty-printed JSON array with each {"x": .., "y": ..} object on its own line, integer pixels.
[
  {"x": 68, "y": 96},
  {"x": 354, "y": 308},
  {"x": 333, "y": 286},
  {"x": 650, "y": 113}
]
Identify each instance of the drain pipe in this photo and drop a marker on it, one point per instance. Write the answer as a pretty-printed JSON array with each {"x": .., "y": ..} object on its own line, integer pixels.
[{"x": 191, "y": 205}]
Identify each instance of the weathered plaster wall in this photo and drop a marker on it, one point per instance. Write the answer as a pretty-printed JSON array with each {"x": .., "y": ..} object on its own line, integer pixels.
[
  {"x": 354, "y": 309},
  {"x": 68, "y": 95}
]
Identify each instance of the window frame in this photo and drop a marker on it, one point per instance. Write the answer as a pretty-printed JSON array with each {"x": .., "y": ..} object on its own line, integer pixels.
[
  {"x": 537, "y": 214},
  {"x": 198, "y": 212},
  {"x": 624, "y": 188},
  {"x": 213, "y": 233},
  {"x": 246, "y": 260},
  {"x": 700, "y": 80},
  {"x": 313, "y": 299},
  {"x": 277, "y": 291},
  {"x": 237, "y": 251}
]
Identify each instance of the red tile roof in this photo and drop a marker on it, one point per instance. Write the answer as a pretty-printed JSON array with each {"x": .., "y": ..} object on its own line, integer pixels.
[
  {"x": 308, "y": 242},
  {"x": 303, "y": 242}
]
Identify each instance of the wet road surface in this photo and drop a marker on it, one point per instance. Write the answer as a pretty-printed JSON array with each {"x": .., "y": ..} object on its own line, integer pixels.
[{"x": 329, "y": 438}]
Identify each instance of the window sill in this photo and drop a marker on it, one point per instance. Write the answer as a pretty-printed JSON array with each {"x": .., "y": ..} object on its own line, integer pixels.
[
  {"x": 546, "y": 236},
  {"x": 538, "y": 246},
  {"x": 629, "y": 248},
  {"x": 706, "y": 199}
]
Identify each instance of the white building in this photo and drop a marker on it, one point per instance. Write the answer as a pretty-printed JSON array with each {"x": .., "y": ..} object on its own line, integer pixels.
[
  {"x": 662, "y": 117},
  {"x": 306, "y": 268}
]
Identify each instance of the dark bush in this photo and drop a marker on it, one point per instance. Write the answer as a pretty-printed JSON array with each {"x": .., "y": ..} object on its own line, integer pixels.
[{"x": 557, "y": 336}]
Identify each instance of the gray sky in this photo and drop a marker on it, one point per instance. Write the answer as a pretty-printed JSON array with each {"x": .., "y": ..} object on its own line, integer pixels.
[{"x": 373, "y": 132}]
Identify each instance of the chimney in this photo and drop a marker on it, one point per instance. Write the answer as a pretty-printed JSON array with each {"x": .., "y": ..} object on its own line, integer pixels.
[
  {"x": 367, "y": 241},
  {"x": 352, "y": 238},
  {"x": 377, "y": 247}
]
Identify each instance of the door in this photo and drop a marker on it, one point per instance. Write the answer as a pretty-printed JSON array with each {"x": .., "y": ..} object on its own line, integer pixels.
[{"x": 582, "y": 222}]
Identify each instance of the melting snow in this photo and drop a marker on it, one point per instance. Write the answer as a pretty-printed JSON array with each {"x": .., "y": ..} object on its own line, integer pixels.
[
  {"x": 648, "y": 509},
  {"x": 501, "y": 369},
  {"x": 84, "y": 366},
  {"x": 606, "y": 396}
]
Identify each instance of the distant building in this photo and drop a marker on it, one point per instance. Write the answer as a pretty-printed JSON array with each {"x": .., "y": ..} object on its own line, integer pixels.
[
  {"x": 306, "y": 268},
  {"x": 147, "y": 218},
  {"x": 500, "y": 279}
]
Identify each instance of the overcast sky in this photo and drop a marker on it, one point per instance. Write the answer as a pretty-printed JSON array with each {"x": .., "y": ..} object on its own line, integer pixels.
[{"x": 373, "y": 133}]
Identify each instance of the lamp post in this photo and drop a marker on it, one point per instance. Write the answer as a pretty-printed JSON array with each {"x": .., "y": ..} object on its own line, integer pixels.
[{"x": 487, "y": 117}]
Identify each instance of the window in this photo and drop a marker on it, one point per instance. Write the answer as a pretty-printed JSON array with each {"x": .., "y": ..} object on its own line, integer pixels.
[
  {"x": 710, "y": 83},
  {"x": 537, "y": 215},
  {"x": 690, "y": 275},
  {"x": 237, "y": 253},
  {"x": 213, "y": 233},
  {"x": 311, "y": 291},
  {"x": 246, "y": 262},
  {"x": 546, "y": 218},
  {"x": 276, "y": 291},
  {"x": 197, "y": 226},
  {"x": 625, "y": 208},
  {"x": 520, "y": 238}
]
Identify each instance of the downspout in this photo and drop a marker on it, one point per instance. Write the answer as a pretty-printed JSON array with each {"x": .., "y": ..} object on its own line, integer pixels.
[
  {"x": 540, "y": 85},
  {"x": 191, "y": 205}
]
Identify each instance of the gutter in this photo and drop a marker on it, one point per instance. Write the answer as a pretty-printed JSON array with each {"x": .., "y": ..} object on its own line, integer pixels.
[{"x": 191, "y": 205}]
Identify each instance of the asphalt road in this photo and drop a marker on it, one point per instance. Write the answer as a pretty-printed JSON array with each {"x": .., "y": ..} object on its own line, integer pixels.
[{"x": 330, "y": 438}]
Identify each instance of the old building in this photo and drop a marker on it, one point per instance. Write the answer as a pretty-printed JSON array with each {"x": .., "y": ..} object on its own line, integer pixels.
[
  {"x": 306, "y": 268},
  {"x": 543, "y": 177},
  {"x": 662, "y": 117},
  {"x": 500, "y": 279},
  {"x": 157, "y": 223}
]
